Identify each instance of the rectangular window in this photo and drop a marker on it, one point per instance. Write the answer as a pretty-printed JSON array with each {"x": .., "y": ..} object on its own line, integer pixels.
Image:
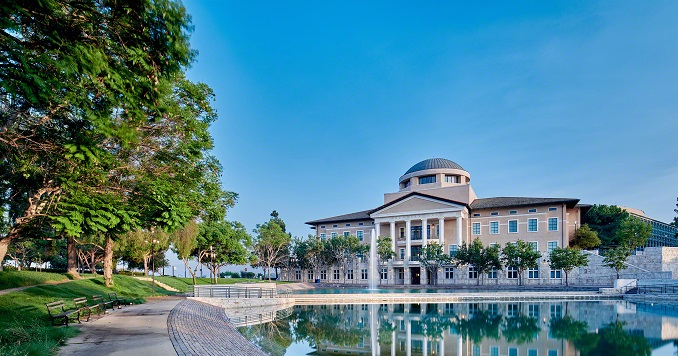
[
  {"x": 449, "y": 272},
  {"x": 402, "y": 233},
  {"x": 335, "y": 225},
  {"x": 415, "y": 233},
  {"x": 401, "y": 273},
  {"x": 310, "y": 275},
  {"x": 494, "y": 213},
  {"x": 512, "y": 310},
  {"x": 349, "y": 274},
  {"x": 476, "y": 214},
  {"x": 323, "y": 274},
  {"x": 347, "y": 233},
  {"x": 427, "y": 179},
  {"x": 323, "y": 236},
  {"x": 513, "y": 226},
  {"x": 533, "y": 310},
  {"x": 535, "y": 245},
  {"x": 472, "y": 272},
  {"x": 493, "y": 309},
  {"x": 533, "y": 273},
  {"x": 384, "y": 273},
  {"x": 359, "y": 234},
  {"x": 322, "y": 226},
  {"x": 532, "y": 225},
  {"x": 494, "y": 227},
  {"x": 476, "y": 228},
  {"x": 532, "y": 211},
  {"x": 553, "y": 224},
  {"x": 334, "y": 234},
  {"x": 475, "y": 350},
  {"x": 556, "y": 274},
  {"x": 513, "y": 351},
  {"x": 348, "y": 225},
  {"x": 532, "y": 352},
  {"x": 494, "y": 350},
  {"x": 297, "y": 274},
  {"x": 492, "y": 274},
  {"x": 553, "y": 353},
  {"x": 552, "y": 245},
  {"x": 361, "y": 224},
  {"x": 453, "y": 250},
  {"x": 402, "y": 253},
  {"x": 556, "y": 311},
  {"x": 363, "y": 274},
  {"x": 335, "y": 274},
  {"x": 553, "y": 209},
  {"x": 513, "y": 212},
  {"x": 512, "y": 273}
]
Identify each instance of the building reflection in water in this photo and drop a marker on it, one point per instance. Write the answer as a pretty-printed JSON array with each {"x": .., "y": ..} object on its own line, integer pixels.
[{"x": 473, "y": 329}]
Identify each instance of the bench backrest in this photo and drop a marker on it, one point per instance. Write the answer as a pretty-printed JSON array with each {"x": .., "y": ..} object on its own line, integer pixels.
[
  {"x": 55, "y": 305},
  {"x": 98, "y": 298},
  {"x": 80, "y": 302},
  {"x": 113, "y": 296}
]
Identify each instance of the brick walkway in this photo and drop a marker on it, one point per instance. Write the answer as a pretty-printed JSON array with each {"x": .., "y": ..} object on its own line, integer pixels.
[{"x": 197, "y": 328}]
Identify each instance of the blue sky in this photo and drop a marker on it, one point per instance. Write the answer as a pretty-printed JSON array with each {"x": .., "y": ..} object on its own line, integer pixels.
[{"x": 324, "y": 105}]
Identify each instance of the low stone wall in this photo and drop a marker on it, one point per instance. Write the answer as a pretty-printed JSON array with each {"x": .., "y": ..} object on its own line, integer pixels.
[{"x": 245, "y": 303}]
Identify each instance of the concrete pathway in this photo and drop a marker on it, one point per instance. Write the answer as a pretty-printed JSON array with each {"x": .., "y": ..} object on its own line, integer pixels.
[{"x": 133, "y": 330}]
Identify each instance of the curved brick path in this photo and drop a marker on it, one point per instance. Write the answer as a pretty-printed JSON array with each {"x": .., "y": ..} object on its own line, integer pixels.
[{"x": 197, "y": 328}]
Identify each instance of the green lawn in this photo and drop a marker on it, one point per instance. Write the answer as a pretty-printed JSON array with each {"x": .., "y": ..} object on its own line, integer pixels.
[
  {"x": 13, "y": 279},
  {"x": 25, "y": 327},
  {"x": 182, "y": 284}
]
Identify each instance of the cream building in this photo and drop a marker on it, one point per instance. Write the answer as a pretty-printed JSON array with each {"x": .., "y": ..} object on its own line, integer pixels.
[{"x": 436, "y": 203}]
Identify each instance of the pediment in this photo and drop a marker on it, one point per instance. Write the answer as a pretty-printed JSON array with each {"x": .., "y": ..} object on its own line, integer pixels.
[{"x": 417, "y": 204}]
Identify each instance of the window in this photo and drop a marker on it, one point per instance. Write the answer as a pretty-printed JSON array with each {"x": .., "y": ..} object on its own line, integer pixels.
[
  {"x": 494, "y": 213},
  {"x": 405, "y": 184},
  {"x": 427, "y": 179},
  {"x": 535, "y": 246},
  {"x": 493, "y": 309},
  {"x": 532, "y": 352},
  {"x": 476, "y": 214},
  {"x": 363, "y": 273},
  {"x": 384, "y": 273},
  {"x": 323, "y": 274},
  {"x": 349, "y": 274},
  {"x": 552, "y": 245},
  {"x": 449, "y": 308},
  {"x": 533, "y": 310},
  {"x": 532, "y": 211},
  {"x": 323, "y": 236},
  {"x": 334, "y": 234},
  {"x": 512, "y": 310},
  {"x": 553, "y": 353},
  {"x": 452, "y": 179},
  {"x": 359, "y": 233},
  {"x": 494, "y": 350},
  {"x": 513, "y": 351},
  {"x": 556, "y": 311},
  {"x": 512, "y": 273},
  {"x": 322, "y": 226},
  {"x": 297, "y": 274},
  {"x": 476, "y": 228},
  {"x": 415, "y": 233},
  {"x": 402, "y": 232},
  {"x": 556, "y": 274},
  {"x": 453, "y": 250},
  {"x": 472, "y": 272},
  {"x": 335, "y": 274},
  {"x": 513, "y": 226},
  {"x": 310, "y": 275},
  {"x": 361, "y": 224},
  {"x": 335, "y": 225},
  {"x": 347, "y": 233},
  {"x": 533, "y": 273},
  {"x": 402, "y": 253},
  {"x": 513, "y": 212},
  {"x": 475, "y": 350},
  {"x": 553, "y": 224},
  {"x": 401, "y": 273},
  {"x": 449, "y": 272},
  {"x": 553, "y": 209},
  {"x": 492, "y": 274},
  {"x": 532, "y": 225},
  {"x": 494, "y": 227}
]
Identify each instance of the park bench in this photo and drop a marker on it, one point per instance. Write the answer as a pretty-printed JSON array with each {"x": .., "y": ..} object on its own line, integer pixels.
[
  {"x": 58, "y": 311},
  {"x": 85, "y": 308},
  {"x": 99, "y": 299},
  {"x": 119, "y": 301}
]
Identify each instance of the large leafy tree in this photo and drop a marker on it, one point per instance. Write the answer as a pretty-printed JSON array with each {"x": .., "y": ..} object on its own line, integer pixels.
[
  {"x": 521, "y": 256},
  {"x": 567, "y": 259},
  {"x": 184, "y": 243},
  {"x": 432, "y": 257},
  {"x": 615, "y": 258},
  {"x": 633, "y": 233},
  {"x": 271, "y": 244},
  {"x": 483, "y": 259},
  {"x": 77, "y": 79},
  {"x": 384, "y": 250},
  {"x": 585, "y": 238},
  {"x": 606, "y": 220},
  {"x": 221, "y": 243},
  {"x": 343, "y": 250}
]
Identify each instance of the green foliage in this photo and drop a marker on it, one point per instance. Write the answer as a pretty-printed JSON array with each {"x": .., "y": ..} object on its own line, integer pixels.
[
  {"x": 633, "y": 233},
  {"x": 221, "y": 243},
  {"x": 384, "y": 250},
  {"x": 606, "y": 220},
  {"x": 432, "y": 257},
  {"x": 483, "y": 259},
  {"x": 585, "y": 238},
  {"x": 482, "y": 324},
  {"x": 521, "y": 256},
  {"x": 343, "y": 250},
  {"x": 675, "y": 218},
  {"x": 616, "y": 258},
  {"x": 520, "y": 329},
  {"x": 567, "y": 259},
  {"x": 271, "y": 244}
]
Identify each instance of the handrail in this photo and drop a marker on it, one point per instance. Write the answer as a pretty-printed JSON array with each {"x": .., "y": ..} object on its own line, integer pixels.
[{"x": 213, "y": 291}]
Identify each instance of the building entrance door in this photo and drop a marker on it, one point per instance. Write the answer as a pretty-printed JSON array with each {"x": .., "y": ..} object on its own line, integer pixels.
[{"x": 415, "y": 272}]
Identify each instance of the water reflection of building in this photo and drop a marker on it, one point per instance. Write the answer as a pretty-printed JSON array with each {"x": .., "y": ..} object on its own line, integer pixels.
[{"x": 474, "y": 328}]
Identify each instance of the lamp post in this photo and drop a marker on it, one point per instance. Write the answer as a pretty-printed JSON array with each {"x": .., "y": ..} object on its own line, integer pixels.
[
  {"x": 211, "y": 254},
  {"x": 174, "y": 268}
]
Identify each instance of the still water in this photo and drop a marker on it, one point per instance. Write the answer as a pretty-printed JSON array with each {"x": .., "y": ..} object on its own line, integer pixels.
[{"x": 474, "y": 329}]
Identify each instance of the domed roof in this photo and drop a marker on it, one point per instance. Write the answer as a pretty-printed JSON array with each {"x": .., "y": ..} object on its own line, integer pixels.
[{"x": 434, "y": 163}]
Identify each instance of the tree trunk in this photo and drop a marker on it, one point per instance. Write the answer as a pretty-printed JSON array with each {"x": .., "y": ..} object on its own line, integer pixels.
[
  {"x": 567, "y": 284},
  {"x": 72, "y": 257},
  {"x": 108, "y": 262},
  {"x": 4, "y": 245},
  {"x": 145, "y": 266}
]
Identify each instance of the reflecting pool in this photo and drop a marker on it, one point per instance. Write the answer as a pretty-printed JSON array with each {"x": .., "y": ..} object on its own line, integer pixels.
[{"x": 495, "y": 329}]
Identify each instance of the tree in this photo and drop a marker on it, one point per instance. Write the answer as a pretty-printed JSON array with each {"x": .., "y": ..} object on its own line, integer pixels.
[
  {"x": 616, "y": 258},
  {"x": 432, "y": 257},
  {"x": 675, "y": 218},
  {"x": 521, "y": 256},
  {"x": 184, "y": 243},
  {"x": 271, "y": 243},
  {"x": 605, "y": 220},
  {"x": 384, "y": 250},
  {"x": 221, "y": 243},
  {"x": 141, "y": 246},
  {"x": 567, "y": 259},
  {"x": 343, "y": 250},
  {"x": 633, "y": 233},
  {"x": 585, "y": 238},
  {"x": 482, "y": 259}
]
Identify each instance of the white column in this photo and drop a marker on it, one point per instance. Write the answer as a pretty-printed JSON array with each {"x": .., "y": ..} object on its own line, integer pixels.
[
  {"x": 459, "y": 231},
  {"x": 425, "y": 348},
  {"x": 424, "y": 232},
  {"x": 441, "y": 227},
  {"x": 377, "y": 229},
  {"x": 408, "y": 241},
  {"x": 460, "y": 345},
  {"x": 393, "y": 344},
  {"x": 393, "y": 237}
]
